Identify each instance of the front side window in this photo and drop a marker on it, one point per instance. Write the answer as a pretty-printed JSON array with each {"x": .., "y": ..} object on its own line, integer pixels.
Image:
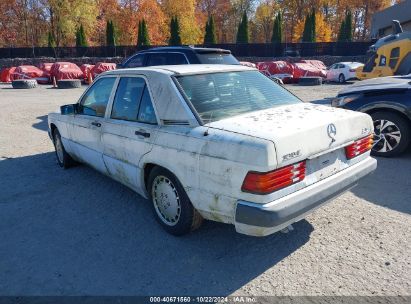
[
  {"x": 94, "y": 102},
  {"x": 132, "y": 101},
  {"x": 217, "y": 96},
  {"x": 136, "y": 61}
]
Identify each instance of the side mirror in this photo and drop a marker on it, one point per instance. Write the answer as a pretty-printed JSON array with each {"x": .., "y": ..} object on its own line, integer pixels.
[{"x": 69, "y": 109}]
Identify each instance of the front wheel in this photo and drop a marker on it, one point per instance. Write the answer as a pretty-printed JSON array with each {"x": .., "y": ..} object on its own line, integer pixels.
[
  {"x": 341, "y": 78},
  {"x": 172, "y": 207},
  {"x": 392, "y": 134},
  {"x": 63, "y": 158}
]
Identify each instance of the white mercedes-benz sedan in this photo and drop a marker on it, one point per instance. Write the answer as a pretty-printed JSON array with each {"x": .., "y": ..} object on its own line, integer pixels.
[{"x": 216, "y": 142}]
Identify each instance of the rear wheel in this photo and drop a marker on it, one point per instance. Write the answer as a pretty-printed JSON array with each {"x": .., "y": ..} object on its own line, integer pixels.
[
  {"x": 341, "y": 78},
  {"x": 392, "y": 134},
  {"x": 172, "y": 207},
  {"x": 63, "y": 158}
]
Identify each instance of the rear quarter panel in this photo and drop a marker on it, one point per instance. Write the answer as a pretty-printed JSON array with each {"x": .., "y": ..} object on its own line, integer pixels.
[{"x": 211, "y": 168}]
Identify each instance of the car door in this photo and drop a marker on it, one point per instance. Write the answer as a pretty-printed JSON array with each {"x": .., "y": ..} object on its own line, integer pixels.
[
  {"x": 337, "y": 71},
  {"x": 85, "y": 129},
  {"x": 129, "y": 131},
  {"x": 331, "y": 73}
]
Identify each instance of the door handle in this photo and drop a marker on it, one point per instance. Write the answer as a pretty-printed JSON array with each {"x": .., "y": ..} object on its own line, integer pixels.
[
  {"x": 97, "y": 124},
  {"x": 142, "y": 133}
]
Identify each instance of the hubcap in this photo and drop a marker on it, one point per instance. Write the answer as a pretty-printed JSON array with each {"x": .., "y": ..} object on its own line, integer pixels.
[
  {"x": 59, "y": 149},
  {"x": 166, "y": 200},
  {"x": 387, "y": 136}
]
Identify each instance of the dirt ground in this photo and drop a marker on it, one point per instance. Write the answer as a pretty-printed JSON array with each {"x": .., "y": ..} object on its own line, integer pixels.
[{"x": 77, "y": 232}]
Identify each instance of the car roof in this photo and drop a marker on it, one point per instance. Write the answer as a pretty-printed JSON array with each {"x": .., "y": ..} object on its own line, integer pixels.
[
  {"x": 184, "y": 69},
  {"x": 184, "y": 49}
]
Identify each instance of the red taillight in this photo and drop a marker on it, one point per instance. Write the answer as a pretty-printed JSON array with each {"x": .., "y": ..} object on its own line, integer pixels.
[
  {"x": 352, "y": 70},
  {"x": 359, "y": 147},
  {"x": 263, "y": 183}
]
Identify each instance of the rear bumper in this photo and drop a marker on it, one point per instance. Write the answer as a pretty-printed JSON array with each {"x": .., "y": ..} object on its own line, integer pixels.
[{"x": 260, "y": 220}]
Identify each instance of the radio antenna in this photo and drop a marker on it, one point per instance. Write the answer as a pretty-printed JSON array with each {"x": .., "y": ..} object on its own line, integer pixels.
[{"x": 209, "y": 121}]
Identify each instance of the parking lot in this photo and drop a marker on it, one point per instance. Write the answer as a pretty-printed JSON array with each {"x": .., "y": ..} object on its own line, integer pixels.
[{"x": 77, "y": 232}]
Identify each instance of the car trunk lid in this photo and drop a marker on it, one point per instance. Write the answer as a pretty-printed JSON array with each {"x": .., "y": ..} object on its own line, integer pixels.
[{"x": 300, "y": 131}]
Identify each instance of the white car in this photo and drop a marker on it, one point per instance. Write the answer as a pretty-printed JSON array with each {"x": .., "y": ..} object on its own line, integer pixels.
[
  {"x": 342, "y": 71},
  {"x": 219, "y": 142}
]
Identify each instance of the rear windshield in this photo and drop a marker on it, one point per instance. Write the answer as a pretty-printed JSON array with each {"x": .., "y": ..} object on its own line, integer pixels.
[
  {"x": 216, "y": 96},
  {"x": 216, "y": 58}
]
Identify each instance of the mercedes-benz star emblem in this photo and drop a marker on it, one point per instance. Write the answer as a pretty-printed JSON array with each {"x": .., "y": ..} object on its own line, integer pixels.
[{"x": 332, "y": 132}]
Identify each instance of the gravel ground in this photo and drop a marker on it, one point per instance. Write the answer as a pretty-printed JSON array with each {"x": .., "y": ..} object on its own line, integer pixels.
[
  {"x": 77, "y": 232},
  {"x": 318, "y": 94}
]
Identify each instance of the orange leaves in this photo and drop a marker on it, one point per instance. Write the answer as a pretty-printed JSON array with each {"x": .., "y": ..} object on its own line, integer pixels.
[{"x": 323, "y": 29}]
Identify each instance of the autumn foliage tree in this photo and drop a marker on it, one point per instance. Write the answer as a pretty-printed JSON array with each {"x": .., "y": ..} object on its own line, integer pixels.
[
  {"x": 185, "y": 12},
  {"x": 322, "y": 29},
  {"x": 27, "y": 23}
]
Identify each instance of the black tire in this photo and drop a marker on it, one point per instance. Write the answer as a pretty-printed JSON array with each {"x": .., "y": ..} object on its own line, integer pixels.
[
  {"x": 188, "y": 218},
  {"x": 341, "y": 78},
  {"x": 24, "y": 84},
  {"x": 64, "y": 160},
  {"x": 69, "y": 83},
  {"x": 400, "y": 126},
  {"x": 310, "y": 81}
]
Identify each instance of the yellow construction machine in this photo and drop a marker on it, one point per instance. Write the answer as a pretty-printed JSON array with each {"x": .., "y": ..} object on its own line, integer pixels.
[{"x": 390, "y": 55}]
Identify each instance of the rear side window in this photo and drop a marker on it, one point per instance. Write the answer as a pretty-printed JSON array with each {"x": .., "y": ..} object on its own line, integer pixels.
[
  {"x": 136, "y": 61},
  {"x": 94, "y": 102},
  {"x": 132, "y": 101},
  {"x": 157, "y": 59},
  {"x": 394, "y": 57},
  {"x": 176, "y": 59},
  {"x": 216, "y": 58}
]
